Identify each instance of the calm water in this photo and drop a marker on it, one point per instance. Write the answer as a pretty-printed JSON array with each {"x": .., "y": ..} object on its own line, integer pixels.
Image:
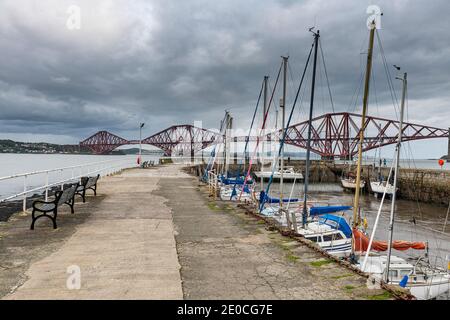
[
  {"x": 21, "y": 163},
  {"x": 429, "y": 218}
]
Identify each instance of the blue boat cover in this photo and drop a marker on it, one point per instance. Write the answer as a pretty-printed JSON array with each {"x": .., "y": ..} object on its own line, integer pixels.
[
  {"x": 336, "y": 222},
  {"x": 267, "y": 199},
  {"x": 314, "y": 211},
  {"x": 238, "y": 181},
  {"x": 234, "y": 192}
]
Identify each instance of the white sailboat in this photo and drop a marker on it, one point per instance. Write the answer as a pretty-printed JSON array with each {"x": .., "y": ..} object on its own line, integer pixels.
[
  {"x": 315, "y": 223},
  {"x": 350, "y": 183},
  {"x": 289, "y": 174},
  {"x": 378, "y": 187},
  {"x": 423, "y": 280}
]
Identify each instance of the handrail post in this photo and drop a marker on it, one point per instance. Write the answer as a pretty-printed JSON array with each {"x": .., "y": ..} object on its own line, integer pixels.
[
  {"x": 46, "y": 186},
  {"x": 25, "y": 195},
  {"x": 216, "y": 185}
]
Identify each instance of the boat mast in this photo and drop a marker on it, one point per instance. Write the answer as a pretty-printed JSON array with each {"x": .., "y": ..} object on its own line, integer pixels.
[
  {"x": 363, "y": 124},
  {"x": 224, "y": 152},
  {"x": 262, "y": 142},
  {"x": 396, "y": 174},
  {"x": 228, "y": 144},
  {"x": 282, "y": 106},
  {"x": 308, "y": 143}
]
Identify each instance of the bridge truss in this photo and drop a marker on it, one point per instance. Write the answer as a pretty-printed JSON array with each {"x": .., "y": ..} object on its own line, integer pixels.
[{"x": 333, "y": 135}]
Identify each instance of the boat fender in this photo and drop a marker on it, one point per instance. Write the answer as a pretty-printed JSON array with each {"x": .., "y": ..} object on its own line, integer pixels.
[{"x": 404, "y": 282}]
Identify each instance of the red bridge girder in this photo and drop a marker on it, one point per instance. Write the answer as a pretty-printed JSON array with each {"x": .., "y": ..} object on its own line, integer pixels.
[
  {"x": 337, "y": 134},
  {"x": 183, "y": 139},
  {"x": 333, "y": 135}
]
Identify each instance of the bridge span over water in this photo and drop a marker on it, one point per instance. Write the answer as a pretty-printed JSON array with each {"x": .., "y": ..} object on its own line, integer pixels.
[{"x": 333, "y": 135}]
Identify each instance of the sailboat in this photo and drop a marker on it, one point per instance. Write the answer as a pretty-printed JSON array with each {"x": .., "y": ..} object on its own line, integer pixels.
[
  {"x": 379, "y": 184},
  {"x": 423, "y": 280},
  {"x": 289, "y": 174},
  {"x": 329, "y": 231},
  {"x": 349, "y": 181},
  {"x": 228, "y": 182}
]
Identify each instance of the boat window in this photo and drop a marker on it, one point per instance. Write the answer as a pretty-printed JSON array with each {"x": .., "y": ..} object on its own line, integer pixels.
[
  {"x": 393, "y": 274},
  {"x": 328, "y": 237},
  {"x": 404, "y": 272},
  {"x": 337, "y": 236},
  {"x": 330, "y": 223},
  {"x": 313, "y": 239}
]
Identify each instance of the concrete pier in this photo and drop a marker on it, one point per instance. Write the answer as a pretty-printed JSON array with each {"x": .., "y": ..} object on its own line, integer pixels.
[
  {"x": 122, "y": 241},
  {"x": 154, "y": 234}
]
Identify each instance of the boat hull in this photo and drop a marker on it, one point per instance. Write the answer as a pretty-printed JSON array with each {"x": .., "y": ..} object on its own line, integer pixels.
[
  {"x": 277, "y": 176},
  {"x": 351, "y": 185},
  {"x": 378, "y": 187}
]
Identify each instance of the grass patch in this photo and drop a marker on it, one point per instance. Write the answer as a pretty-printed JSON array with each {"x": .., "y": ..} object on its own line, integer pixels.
[
  {"x": 349, "y": 287},
  {"x": 213, "y": 206},
  {"x": 261, "y": 222},
  {"x": 291, "y": 257},
  {"x": 228, "y": 208},
  {"x": 383, "y": 296},
  {"x": 320, "y": 263}
]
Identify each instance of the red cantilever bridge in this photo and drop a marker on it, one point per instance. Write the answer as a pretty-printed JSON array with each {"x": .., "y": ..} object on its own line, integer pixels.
[{"x": 333, "y": 135}]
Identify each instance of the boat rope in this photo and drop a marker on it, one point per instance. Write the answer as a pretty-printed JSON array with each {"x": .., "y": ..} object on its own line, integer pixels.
[
  {"x": 388, "y": 76},
  {"x": 378, "y": 216},
  {"x": 261, "y": 133},
  {"x": 326, "y": 75},
  {"x": 213, "y": 154},
  {"x": 249, "y": 133},
  {"x": 285, "y": 130}
]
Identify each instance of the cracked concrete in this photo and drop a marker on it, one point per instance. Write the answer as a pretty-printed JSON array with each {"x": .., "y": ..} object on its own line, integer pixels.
[
  {"x": 132, "y": 239},
  {"x": 226, "y": 254}
]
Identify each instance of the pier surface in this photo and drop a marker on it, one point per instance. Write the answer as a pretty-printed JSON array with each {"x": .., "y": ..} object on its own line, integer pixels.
[{"x": 154, "y": 234}]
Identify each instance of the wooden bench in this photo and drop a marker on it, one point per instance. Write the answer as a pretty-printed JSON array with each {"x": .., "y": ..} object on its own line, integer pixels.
[
  {"x": 86, "y": 184},
  {"x": 66, "y": 196},
  {"x": 147, "y": 164}
]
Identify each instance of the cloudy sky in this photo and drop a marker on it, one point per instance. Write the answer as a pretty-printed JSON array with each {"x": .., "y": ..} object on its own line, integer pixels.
[{"x": 173, "y": 62}]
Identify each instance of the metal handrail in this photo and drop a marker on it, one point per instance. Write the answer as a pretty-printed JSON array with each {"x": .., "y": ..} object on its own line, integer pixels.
[
  {"x": 53, "y": 170},
  {"x": 47, "y": 185}
]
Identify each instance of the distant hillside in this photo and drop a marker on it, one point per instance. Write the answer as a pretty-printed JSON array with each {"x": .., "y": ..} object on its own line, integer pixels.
[
  {"x": 444, "y": 157},
  {"x": 10, "y": 146}
]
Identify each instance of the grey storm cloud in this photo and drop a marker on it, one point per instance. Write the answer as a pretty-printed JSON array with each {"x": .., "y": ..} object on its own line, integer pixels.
[{"x": 173, "y": 62}]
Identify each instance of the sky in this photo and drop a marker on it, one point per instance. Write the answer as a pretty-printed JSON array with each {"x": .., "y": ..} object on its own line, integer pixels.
[{"x": 176, "y": 62}]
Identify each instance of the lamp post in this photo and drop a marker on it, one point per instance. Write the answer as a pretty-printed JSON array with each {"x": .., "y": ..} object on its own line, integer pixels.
[{"x": 140, "y": 142}]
